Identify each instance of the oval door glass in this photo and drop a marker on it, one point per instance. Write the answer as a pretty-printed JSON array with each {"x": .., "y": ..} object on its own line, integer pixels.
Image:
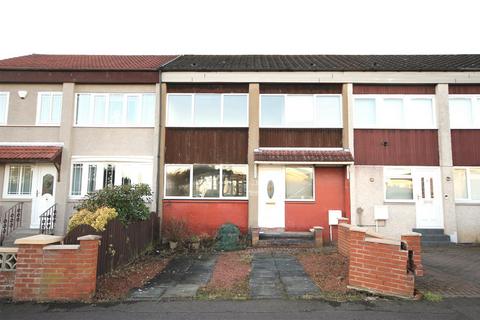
[
  {"x": 47, "y": 184},
  {"x": 270, "y": 189}
]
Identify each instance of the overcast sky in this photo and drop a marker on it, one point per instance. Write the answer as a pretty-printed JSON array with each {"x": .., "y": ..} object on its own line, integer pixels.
[{"x": 238, "y": 27}]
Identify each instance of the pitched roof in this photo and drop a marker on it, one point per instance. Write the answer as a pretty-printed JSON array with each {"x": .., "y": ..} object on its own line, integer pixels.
[
  {"x": 303, "y": 155},
  {"x": 23, "y": 153},
  {"x": 205, "y": 63},
  {"x": 86, "y": 62}
]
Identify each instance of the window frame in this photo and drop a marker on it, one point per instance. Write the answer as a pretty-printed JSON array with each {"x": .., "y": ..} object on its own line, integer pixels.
[
  {"x": 192, "y": 111},
  {"x": 314, "y": 98},
  {"x": 475, "y": 102},
  {"x": 406, "y": 98},
  {"x": 4, "y": 122},
  {"x": 124, "y": 122},
  {"x": 6, "y": 178},
  {"x": 469, "y": 199},
  {"x": 101, "y": 163},
  {"x": 39, "y": 107},
  {"x": 190, "y": 196},
  {"x": 313, "y": 181},
  {"x": 387, "y": 176}
]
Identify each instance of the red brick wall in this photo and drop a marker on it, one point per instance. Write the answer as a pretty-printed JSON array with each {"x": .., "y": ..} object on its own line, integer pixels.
[
  {"x": 343, "y": 239},
  {"x": 413, "y": 242},
  {"x": 7, "y": 281},
  {"x": 56, "y": 273}
]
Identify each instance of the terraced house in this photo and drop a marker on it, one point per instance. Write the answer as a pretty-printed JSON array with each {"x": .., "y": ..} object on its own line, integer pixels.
[{"x": 280, "y": 143}]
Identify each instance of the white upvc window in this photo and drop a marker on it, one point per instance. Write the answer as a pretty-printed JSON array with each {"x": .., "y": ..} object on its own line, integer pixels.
[
  {"x": 206, "y": 181},
  {"x": 115, "y": 110},
  {"x": 299, "y": 183},
  {"x": 49, "y": 108},
  {"x": 301, "y": 111},
  {"x": 466, "y": 184},
  {"x": 394, "y": 112},
  {"x": 207, "y": 110},
  {"x": 4, "y": 96},
  {"x": 91, "y": 174},
  {"x": 464, "y": 111},
  {"x": 398, "y": 184},
  {"x": 18, "y": 181}
]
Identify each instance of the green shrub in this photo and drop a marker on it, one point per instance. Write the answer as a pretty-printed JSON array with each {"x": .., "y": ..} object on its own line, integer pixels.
[
  {"x": 98, "y": 219},
  {"x": 130, "y": 201}
]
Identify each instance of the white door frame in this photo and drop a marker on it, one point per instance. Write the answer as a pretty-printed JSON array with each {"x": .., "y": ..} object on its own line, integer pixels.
[
  {"x": 271, "y": 207},
  {"x": 428, "y": 196},
  {"x": 40, "y": 202}
]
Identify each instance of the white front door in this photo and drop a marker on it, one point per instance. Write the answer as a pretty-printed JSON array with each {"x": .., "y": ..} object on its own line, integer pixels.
[
  {"x": 43, "y": 192},
  {"x": 271, "y": 197},
  {"x": 428, "y": 197}
]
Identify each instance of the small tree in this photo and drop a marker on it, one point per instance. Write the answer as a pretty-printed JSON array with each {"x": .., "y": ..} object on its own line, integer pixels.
[{"x": 130, "y": 201}]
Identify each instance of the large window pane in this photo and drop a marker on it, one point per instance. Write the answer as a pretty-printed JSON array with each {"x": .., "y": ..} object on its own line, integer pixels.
[
  {"x": 3, "y": 108},
  {"x": 14, "y": 180},
  {"x": 207, "y": 110},
  {"x": 365, "y": 113},
  {"x": 77, "y": 179},
  {"x": 115, "y": 111},
  {"x": 206, "y": 181},
  {"x": 177, "y": 181},
  {"x": 56, "y": 108},
  {"x": 299, "y": 183},
  {"x": 460, "y": 183},
  {"x": 399, "y": 189},
  {"x": 390, "y": 113},
  {"x": 133, "y": 111},
  {"x": 234, "y": 181},
  {"x": 299, "y": 110},
  {"x": 419, "y": 113},
  {"x": 99, "y": 109},
  {"x": 475, "y": 184},
  {"x": 92, "y": 178},
  {"x": 109, "y": 176},
  {"x": 460, "y": 113},
  {"x": 148, "y": 109},
  {"x": 180, "y": 110},
  {"x": 235, "y": 111},
  {"x": 26, "y": 186},
  {"x": 328, "y": 112},
  {"x": 83, "y": 109},
  {"x": 272, "y": 111},
  {"x": 45, "y": 108}
]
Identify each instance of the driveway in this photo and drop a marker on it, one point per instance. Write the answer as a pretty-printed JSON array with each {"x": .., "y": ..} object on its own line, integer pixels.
[{"x": 451, "y": 271}]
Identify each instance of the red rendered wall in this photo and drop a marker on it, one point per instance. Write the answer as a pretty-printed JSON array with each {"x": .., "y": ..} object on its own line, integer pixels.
[
  {"x": 330, "y": 193},
  {"x": 205, "y": 216}
]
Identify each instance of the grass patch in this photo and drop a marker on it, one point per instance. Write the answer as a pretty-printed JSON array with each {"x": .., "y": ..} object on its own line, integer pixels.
[{"x": 432, "y": 297}]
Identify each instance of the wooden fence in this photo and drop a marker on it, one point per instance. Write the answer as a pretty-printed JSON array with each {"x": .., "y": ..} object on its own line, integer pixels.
[{"x": 120, "y": 243}]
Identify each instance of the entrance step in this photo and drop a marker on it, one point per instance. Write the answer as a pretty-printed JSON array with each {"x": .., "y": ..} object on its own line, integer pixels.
[
  {"x": 17, "y": 234},
  {"x": 434, "y": 237},
  {"x": 274, "y": 238}
]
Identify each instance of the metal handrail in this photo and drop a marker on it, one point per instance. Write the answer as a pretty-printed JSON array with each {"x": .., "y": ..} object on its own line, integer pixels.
[
  {"x": 11, "y": 220},
  {"x": 48, "y": 220}
]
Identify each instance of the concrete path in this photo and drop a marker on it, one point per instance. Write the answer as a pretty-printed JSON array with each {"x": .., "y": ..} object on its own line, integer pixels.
[
  {"x": 279, "y": 275},
  {"x": 181, "y": 278},
  {"x": 451, "y": 271}
]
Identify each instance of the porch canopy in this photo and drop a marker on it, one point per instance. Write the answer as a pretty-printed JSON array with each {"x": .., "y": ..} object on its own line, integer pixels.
[{"x": 320, "y": 156}]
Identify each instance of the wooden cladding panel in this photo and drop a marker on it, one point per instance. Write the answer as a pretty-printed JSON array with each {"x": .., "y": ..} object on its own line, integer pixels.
[
  {"x": 207, "y": 88},
  {"x": 301, "y": 138},
  {"x": 464, "y": 89},
  {"x": 206, "y": 145},
  {"x": 466, "y": 147},
  {"x": 302, "y": 88},
  {"x": 393, "y": 89},
  {"x": 403, "y": 147}
]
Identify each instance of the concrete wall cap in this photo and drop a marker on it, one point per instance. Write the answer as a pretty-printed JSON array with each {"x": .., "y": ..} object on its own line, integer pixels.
[
  {"x": 8, "y": 250},
  {"x": 374, "y": 234},
  {"x": 343, "y": 224},
  {"x": 39, "y": 239},
  {"x": 358, "y": 229},
  {"x": 62, "y": 247},
  {"x": 89, "y": 237},
  {"x": 383, "y": 241},
  {"x": 411, "y": 234}
]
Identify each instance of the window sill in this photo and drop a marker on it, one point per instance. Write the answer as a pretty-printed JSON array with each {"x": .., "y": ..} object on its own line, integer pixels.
[
  {"x": 467, "y": 202},
  {"x": 7, "y": 197},
  {"x": 399, "y": 201},
  {"x": 300, "y": 200}
]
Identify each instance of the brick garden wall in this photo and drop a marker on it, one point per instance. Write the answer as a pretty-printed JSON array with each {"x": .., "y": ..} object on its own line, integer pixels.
[{"x": 7, "y": 281}]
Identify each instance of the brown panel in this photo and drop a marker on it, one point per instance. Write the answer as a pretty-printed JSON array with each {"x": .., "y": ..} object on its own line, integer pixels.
[
  {"x": 302, "y": 138},
  {"x": 134, "y": 77},
  {"x": 206, "y": 145},
  {"x": 466, "y": 147},
  {"x": 207, "y": 88},
  {"x": 393, "y": 89},
  {"x": 403, "y": 147},
  {"x": 305, "y": 88},
  {"x": 464, "y": 89}
]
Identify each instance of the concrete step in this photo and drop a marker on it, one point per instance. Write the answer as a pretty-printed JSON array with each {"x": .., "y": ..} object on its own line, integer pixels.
[
  {"x": 428, "y": 231},
  {"x": 285, "y": 235},
  {"x": 437, "y": 244},
  {"x": 285, "y": 242},
  {"x": 435, "y": 238}
]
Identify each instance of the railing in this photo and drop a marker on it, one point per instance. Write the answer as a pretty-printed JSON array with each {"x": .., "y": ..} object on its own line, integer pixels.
[
  {"x": 48, "y": 220},
  {"x": 11, "y": 220}
]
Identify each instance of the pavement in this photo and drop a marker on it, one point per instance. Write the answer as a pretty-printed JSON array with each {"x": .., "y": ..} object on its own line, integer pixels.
[
  {"x": 452, "y": 271},
  {"x": 455, "y": 308}
]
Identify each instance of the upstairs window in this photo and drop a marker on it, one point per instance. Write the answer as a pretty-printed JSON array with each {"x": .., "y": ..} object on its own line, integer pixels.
[
  {"x": 3, "y": 107},
  {"x": 49, "y": 109},
  {"x": 207, "y": 110},
  {"x": 394, "y": 112},
  {"x": 115, "y": 110},
  {"x": 464, "y": 112},
  {"x": 300, "y": 111}
]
